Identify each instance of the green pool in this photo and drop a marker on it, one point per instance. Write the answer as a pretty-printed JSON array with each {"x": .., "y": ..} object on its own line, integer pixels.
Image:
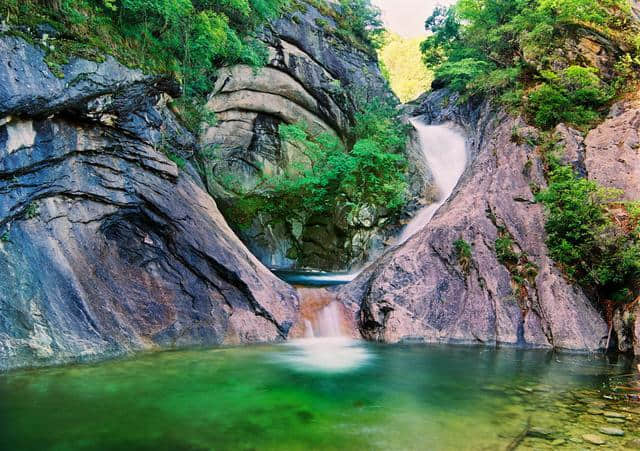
[{"x": 322, "y": 396}]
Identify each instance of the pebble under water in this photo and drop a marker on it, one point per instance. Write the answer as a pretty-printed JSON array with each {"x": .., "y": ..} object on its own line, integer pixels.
[{"x": 401, "y": 397}]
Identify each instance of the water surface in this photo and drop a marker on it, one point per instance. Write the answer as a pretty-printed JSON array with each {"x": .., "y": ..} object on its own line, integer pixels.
[{"x": 278, "y": 398}]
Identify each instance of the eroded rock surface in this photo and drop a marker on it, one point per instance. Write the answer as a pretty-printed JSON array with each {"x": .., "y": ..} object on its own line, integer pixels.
[
  {"x": 106, "y": 246},
  {"x": 314, "y": 77},
  {"x": 426, "y": 290}
]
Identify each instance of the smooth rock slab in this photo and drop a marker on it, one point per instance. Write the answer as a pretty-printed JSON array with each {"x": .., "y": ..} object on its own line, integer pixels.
[
  {"x": 594, "y": 439},
  {"x": 612, "y": 431},
  {"x": 611, "y": 414}
]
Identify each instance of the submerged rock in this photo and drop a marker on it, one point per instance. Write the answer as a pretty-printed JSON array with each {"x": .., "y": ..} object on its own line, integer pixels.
[
  {"x": 107, "y": 246},
  {"x": 612, "y": 431},
  {"x": 594, "y": 439}
]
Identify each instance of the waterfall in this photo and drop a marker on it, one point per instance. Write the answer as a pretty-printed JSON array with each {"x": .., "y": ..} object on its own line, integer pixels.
[
  {"x": 322, "y": 315},
  {"x": 444, "y": 150},
  {"x": 327, "y": 345}
]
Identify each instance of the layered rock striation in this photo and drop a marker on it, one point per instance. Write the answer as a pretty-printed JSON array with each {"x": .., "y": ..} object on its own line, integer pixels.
[
  {"x": 106, "y": 246},
  {"x": 317, "y": 78}
]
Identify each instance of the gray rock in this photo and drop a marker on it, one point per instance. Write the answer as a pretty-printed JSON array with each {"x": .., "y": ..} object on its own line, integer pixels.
[
  {"x": 316, "y": 77},
  {"x": 612, "y": 151},
  {"x": 420, "y": 291},
  {"x": 108, "y": 248},
  {"x": 612, "y": 431},
  {"x": 594, "y": 439}
]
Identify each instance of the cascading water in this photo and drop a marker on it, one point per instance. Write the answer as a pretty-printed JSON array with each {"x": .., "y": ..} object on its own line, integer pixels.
[
  {"x": 444, "y": 149},
  {"x": 327, "y": 345}
]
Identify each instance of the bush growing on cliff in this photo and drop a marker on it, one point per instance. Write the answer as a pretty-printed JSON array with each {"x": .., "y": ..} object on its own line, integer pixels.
[
  {"x": 575, "y": 95},
  {"x": 187, "y": 38},
  {"x": 584, "y": 240},
  {"x": 371, "y": 172},
  {"x": 499, "y": 48}
]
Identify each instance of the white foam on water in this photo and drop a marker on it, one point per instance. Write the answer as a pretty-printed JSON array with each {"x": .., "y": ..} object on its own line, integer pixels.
[
  {"x": 325, "y": 348},
  {"x": 325, "y": 354}
]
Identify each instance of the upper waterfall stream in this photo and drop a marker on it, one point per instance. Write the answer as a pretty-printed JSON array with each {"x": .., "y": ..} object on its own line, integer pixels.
[{"x": 444, "y": 149}]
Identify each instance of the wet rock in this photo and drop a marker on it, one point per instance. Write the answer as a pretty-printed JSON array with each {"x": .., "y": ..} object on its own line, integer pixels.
[
  {"x": 558, "y": 442},
  {"x": 595, "y": 412},
  {"x": 612, "y": 431},
  {"x": 594, "y": 439},
  {"x": 612, "y": 414},
  {"x": 615, "y": 420}
]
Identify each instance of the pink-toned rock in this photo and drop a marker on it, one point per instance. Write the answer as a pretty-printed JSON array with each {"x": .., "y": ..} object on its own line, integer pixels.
[
  {"x": 613, "y": 150},
  {"x": 419, "y": 291}
]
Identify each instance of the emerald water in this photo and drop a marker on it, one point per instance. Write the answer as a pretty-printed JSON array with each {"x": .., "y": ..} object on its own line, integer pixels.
[{"x": 278, "y": 397}]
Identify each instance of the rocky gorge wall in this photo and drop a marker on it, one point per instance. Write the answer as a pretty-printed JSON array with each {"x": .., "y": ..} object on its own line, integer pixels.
[
  {"x": 314, "y": 77},
  {"x": 106, "y": 247},
  {"x": 425, "y": 290}
]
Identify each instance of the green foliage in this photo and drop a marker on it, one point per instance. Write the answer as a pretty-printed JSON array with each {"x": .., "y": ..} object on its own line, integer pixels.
[
  {"x": 500, "y": 48},
  {"x": 5, "y": 237},
  {"x": 177, "y": 159},
  {"x": 187, "y": 38},
  {"x": 371, "y": 172},
  {"x": 463, "y": 253},
  {"x": 32, "y": 211},
  {"x": 504, "y": 250},
  {"x": 362, "y": 20},
  {"x": 406, "y": 75},
  {"x": 575, "y": 95},
  {"x": 582, "y": 238}
]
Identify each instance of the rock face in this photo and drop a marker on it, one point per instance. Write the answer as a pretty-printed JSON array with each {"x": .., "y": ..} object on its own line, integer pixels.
[
  {"x": 612, "y": 150},
  {"x": 106, "y": 246},
  {"x": 427, "y": 290},
  {"x": 315, "y": 77}
]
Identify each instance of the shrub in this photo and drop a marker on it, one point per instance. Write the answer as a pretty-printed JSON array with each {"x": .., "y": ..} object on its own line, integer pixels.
[
  {"x": 463, "y": 253},
  {"x": 371, "y": 172},
  {"x": 574, "y": 96},
  {"x": 583, "y": 239}
]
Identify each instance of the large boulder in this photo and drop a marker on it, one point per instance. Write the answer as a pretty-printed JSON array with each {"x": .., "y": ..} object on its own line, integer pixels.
[
  {"x": 316, "y": 77},
  {"x": 429, "y": 290},
  {"x": 106, "y": 245}
]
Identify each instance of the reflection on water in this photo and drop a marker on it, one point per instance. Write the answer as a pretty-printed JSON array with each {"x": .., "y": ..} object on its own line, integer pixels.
[
  {"x": 315, "y": 278},
  {"x": 401, "y": 398}
]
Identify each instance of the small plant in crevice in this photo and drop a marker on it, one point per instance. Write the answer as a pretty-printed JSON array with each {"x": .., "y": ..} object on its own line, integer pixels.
[
  {"x": 523, "y": 272},
  {"x": 32, "y": 211},
  {"x": 177, "y": 159},
  {"x": 4, "y": 237},
  {"x": 463, "y": 254},
  {"x": 504, "y": 250}
]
